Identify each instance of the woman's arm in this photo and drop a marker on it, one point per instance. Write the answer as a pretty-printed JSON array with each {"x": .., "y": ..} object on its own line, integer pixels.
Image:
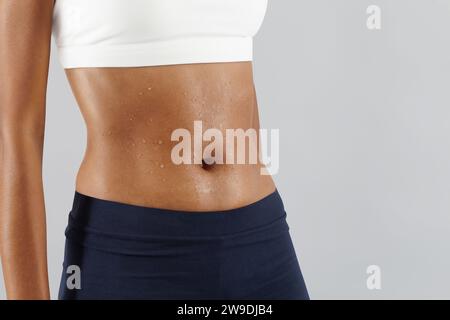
[{"x": 25, "y": 35}]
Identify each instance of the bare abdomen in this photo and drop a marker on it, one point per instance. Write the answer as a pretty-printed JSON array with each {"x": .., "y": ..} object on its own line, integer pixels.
[{"x": 131, "y": 114}]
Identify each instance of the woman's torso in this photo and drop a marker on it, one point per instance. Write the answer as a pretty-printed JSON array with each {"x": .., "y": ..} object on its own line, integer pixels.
[{"x": 131, "y": 113}]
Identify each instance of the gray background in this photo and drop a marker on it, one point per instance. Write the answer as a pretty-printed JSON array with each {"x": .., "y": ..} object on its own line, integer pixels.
[{"x": 365, "y": 143}]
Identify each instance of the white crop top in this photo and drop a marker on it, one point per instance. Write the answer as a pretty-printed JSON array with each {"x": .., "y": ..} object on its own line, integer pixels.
[{"x": 132, "y": 33}]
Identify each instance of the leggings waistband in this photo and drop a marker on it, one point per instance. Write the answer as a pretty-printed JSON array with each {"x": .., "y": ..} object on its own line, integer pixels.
[{"x": 119, "y": 219}]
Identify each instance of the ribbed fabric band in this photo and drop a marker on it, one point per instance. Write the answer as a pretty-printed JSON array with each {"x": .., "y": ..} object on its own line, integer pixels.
[{"x": 158, "y": 53}]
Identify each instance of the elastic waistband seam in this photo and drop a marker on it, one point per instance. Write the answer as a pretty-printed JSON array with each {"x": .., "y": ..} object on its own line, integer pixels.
[
  {"x": 80, "y": 198},
  {"x": 73, "y": 224}
]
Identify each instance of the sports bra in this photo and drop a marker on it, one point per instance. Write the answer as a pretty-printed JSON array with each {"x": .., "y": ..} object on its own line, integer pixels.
[{"x": 132, "y": 33}]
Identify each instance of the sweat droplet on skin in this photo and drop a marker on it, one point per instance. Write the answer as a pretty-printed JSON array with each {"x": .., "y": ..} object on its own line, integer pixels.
[
  {"x": 149, "y": 88},
  {"x": 141, "y": 93},
  {"x": 161, "y": 166},
  {"x": 144, "y": 141},
  {"x": 160, "y": 142}
]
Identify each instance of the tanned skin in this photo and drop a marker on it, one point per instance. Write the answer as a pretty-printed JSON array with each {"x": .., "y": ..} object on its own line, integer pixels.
[
  {"x": 25, "y": 32},
  {"x": 130, "y": 114}
]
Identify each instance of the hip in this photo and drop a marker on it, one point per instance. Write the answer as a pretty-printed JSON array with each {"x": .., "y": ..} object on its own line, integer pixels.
[{"x": 125, "y": 251}]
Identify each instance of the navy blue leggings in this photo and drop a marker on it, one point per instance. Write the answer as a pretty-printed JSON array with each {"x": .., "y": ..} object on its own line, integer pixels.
[{"x": 121, "y": 251}]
